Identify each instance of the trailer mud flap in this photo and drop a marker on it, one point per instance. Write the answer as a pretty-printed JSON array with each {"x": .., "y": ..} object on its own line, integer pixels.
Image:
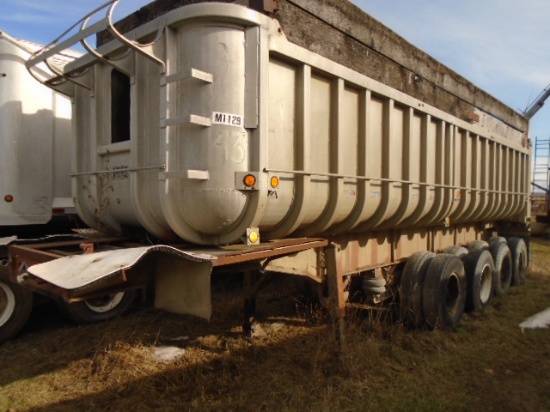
[
  {"x": 183, "y": 286},
  {"x": 182, "y": 279}
]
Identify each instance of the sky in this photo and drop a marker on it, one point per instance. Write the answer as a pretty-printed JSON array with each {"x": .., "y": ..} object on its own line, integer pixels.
[{"x": 502, "y": 46}]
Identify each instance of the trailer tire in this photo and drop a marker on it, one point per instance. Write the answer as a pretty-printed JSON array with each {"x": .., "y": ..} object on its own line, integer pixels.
[
  {"x": 100, "y": 309},
  {"x": 477, "y": 244},
  {"x": 503, "y": 267},
  {"x": 480, "y": 271},
  {"x": 458, "y": 251},
  {"x": 16, "y": 304},
  {"x": 520, "y": 260},
  {"x": 444, "y": 292},
  {"x": 410, "y": 288},
  {"x": 497, "y": 239},
  {"x": 309, "y": 290}
]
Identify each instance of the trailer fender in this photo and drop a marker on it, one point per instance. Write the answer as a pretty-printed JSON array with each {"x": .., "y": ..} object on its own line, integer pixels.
[{"x": 182, "y": 279}]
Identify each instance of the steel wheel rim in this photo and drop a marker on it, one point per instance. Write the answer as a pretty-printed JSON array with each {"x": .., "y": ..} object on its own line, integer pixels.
[
  {"x": 486, "y": 282},
  {"x": 105, "y": 303}
]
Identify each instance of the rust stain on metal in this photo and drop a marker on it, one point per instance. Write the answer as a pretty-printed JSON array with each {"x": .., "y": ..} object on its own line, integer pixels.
[
  {"x": 267, "y": 250},
  {"x": 87, "y": 248}
]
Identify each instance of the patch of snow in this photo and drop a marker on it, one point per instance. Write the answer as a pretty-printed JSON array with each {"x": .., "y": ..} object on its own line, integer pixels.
[
  {"x": 540, "y": 320},
  {"x": 167, "y": 354}
]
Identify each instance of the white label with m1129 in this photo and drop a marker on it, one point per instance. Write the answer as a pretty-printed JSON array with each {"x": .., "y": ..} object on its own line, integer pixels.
[{"x": 227, "y": 119}]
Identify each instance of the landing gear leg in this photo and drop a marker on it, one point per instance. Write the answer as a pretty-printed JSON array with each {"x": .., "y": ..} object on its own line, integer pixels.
[{"x": 253, "y": 280}]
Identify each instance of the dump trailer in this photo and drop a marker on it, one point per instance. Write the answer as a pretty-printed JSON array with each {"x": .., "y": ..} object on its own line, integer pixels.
[{"x": 289, "y": 137}]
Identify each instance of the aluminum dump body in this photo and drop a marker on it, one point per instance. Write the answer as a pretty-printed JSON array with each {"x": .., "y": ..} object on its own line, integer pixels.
[
  {"x": 166, "y": 134},
  {"x": 35, "y": 131}
]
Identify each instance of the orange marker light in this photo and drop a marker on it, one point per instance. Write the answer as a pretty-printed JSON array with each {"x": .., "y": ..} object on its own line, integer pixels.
[
  {"x": 274, "y": 181},
  {"x": 8, "y": 198},
  {"x": 249, "y": 180}
]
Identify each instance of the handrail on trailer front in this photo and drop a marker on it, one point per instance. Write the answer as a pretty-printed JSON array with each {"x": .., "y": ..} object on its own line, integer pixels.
[{"x": 57, "y": 46}]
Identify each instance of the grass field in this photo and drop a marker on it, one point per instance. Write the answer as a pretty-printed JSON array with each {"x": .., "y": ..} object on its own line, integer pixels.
[{"x": 487, "y": 364}]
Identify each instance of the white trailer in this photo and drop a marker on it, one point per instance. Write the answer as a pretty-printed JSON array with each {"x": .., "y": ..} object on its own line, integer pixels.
[
  {"x": 35, "y": 129},
  {"x": 35, "y": 187},
  {"x": 215, "y": 124}
]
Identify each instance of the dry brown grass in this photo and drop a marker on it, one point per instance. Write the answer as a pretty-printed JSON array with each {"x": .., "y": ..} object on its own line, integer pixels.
[{"x": 487, "y": 364}]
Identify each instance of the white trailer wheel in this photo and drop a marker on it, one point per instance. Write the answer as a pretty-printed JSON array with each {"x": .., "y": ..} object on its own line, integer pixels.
[
  {"x": 15, "y": 308},
  {"x": 486, "y": 284},
  {"x": 480, "y": 269},
  {"x": 503, "y": 266},
  {"x": 520, "y": 260},
  {"x": 100, "y": 309},
  {"x": 105, "y": 303}
]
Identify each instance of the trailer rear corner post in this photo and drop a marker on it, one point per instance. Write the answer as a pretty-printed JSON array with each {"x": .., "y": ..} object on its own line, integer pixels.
[{"x": 336, "y": 287}]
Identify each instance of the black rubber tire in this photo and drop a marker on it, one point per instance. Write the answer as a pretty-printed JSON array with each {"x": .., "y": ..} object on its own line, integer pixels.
[
  {"x": 497, "y": 239},
  {"x": 520, "y": 260},
  {"x": 100, "y": 309},
  {"x": 410, "y": 288},
  {"x": 16, "y": 304},
  {"x": 458, "y": 251},
  {"x": 444, "y": 292},
  {"x": 502, "y": 257},
  {"x": 480, "y": 270},
  {"x": 310, "y": 291},
  {"x": 477, "y": 244}
]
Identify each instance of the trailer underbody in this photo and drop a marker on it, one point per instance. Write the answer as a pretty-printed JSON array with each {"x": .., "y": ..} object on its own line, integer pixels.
[{"x": 100, "y": 275}]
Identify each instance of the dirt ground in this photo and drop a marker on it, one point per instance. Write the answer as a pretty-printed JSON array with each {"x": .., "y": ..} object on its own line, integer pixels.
[{"x": 489, "y": 363}]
